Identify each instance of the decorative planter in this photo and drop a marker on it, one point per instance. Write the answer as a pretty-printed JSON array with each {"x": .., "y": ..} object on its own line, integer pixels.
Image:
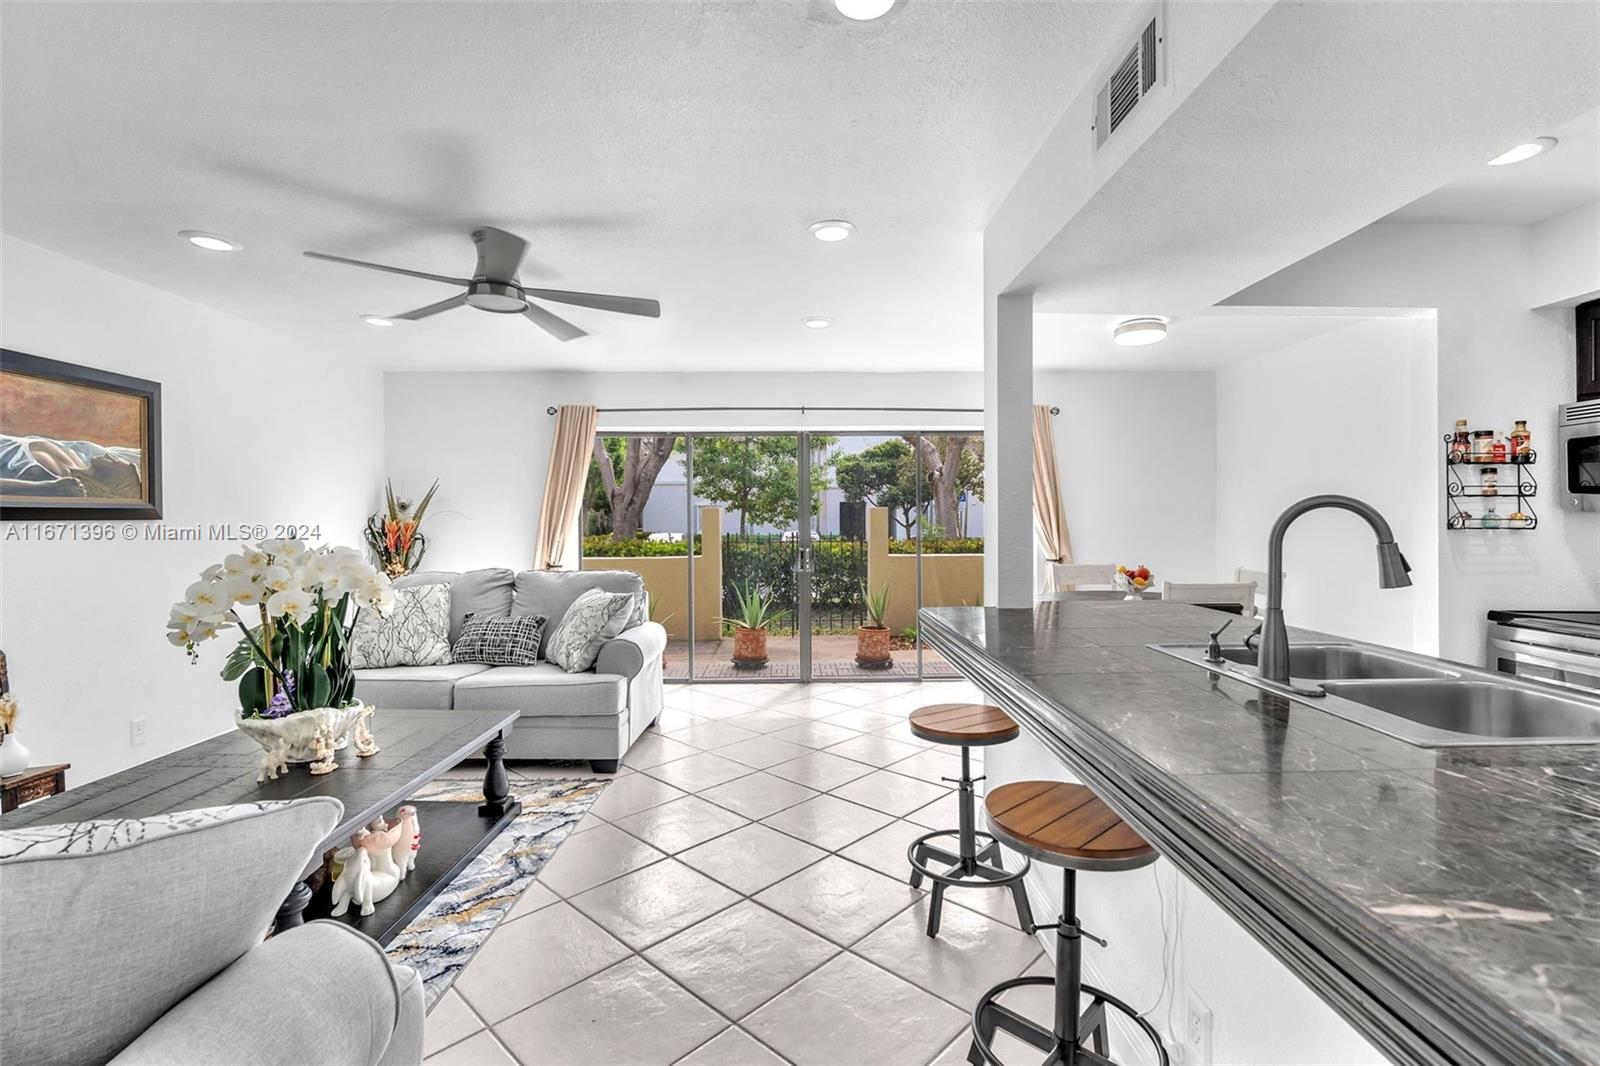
[
  {"x": 749, "y": 648},
  {"x": 299, "y": 730},
  {"x": 13, "y": 756},
  {"x": 872, "y": 648}
]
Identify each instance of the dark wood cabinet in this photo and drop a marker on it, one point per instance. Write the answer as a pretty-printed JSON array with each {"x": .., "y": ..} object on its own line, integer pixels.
[{"x": 1589, "y": 351}]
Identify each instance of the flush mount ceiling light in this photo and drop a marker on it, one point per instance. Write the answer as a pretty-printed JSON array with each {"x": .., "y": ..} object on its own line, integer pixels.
[
  {"x": 866, "y": 10},
  {"x": 1523, "y": 152},
  {"x": 211, "y": 242},
  {"x": 1138, "y": 332},
  {"x": 377, "y": 320},
  {"x": 831, "y": 230},
  {"x": 816, "y": 322}
]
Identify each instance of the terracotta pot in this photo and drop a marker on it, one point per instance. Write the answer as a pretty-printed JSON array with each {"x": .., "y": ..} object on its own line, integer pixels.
[
  {"x": 872, "y": 648},
  {"x": 749, "y": 648}
]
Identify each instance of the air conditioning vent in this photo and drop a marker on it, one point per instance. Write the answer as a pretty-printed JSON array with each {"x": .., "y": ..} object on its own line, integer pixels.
[{"x": 1129, "y": 83}]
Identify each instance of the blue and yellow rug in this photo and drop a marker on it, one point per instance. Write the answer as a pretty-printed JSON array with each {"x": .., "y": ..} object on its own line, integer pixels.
[{"x": 443, "y": 939}]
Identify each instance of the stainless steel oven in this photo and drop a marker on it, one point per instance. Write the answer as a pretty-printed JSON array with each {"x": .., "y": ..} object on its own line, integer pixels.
[
  {"x": 1557, "y": 647},
  {"x": 1578, "y": 433}
]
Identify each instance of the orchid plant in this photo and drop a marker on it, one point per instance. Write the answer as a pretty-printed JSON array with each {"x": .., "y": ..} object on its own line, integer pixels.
[{"x": 296, "y": 657}]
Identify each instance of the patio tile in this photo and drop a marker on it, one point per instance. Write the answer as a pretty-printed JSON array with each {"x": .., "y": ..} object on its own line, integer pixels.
[
  {"x": 535, "y": 897},
  {"x": 820, "y": 770},
  {"x": 449, "y": 1022},
  {"x": 698, "y": 771},
  {"x": 569, "y": 946},
  {"x": 749, "y": 859},
  {"x": 885, "y": 850},
  {"x": 872, "y": 1016},
  {"x": 635, "y": 792},
  {"x": 731, "y": 1047},
  {"x": 943, "y": 813},
  {"x": 651, "y": 904},
  {"x": 766, "y": 720},
  {"x": 935, "y": 763},
  {"x": 862, "y": 719},
  {"x": 970, "y": 955},
  {"x": 816, "y": 734},
  {"x": 762, "y": 752},
  {"x": 710, "y": 701},
  {"x": 873, "y": 748},
  {"x": 890, "y": 792},
  {"x": 588, "y": 822},
  {"x": 706, "y": 735},
  {"x": 758, "y": 795},
  {"x": 480, "y": 1049},
  {"x": 594, "y": 858},
  {"x": 838, "y": 899},
  {"x": 740, "y": 958},
  {"x": 901, "y": 732},
  {"x": 828, "y": 822},
  {"x": 630, "y": 1013},
  {"x": 681, "y": 823},
  {"x": 673, "y": 717},
  {"x": 653, "y": 749}
]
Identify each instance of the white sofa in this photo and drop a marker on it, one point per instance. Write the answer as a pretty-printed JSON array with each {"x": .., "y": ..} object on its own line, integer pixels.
[{"x": 595, "y": 715}]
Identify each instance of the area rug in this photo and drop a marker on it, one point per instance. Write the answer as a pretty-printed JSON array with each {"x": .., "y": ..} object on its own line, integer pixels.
[{"x": 443, "y": 939}]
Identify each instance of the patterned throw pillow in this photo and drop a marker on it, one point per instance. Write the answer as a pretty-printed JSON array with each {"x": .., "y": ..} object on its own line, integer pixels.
[
  {"x": 500, "y": 641},
  {"x": 594, "y": 618},
  {"x": 414, "y": 632}
]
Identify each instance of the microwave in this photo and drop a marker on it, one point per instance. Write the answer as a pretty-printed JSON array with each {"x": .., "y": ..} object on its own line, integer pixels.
[{"x": 1578, "y": 437}]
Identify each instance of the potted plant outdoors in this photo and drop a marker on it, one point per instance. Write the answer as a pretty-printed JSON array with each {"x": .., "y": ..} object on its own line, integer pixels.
[
  {"x": 295, "y": 681},
  {"x": 394, "y": 534},
  {"x": 756, "y": 615},
  {"x": 872, "y": 639}
]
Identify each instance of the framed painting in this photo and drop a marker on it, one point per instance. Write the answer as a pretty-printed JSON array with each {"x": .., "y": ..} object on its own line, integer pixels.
[{"x": 77, "y": 443}]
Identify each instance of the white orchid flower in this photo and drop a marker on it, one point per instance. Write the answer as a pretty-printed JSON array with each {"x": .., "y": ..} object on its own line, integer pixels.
[
  {"x": 210, "y": 598},
  {"x": 182, "y": 615},
  {"x": 245, "y": 589},
  {"x": 277, "y": 578},
  {"x": 289, "y": 550},
  {"x": 214, "y": 572},
  {"x": 178, "y": 638},
  {"x": 295, "y": 604}
]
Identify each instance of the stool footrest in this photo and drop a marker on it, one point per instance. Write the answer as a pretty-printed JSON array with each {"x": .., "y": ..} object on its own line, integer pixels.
[{"x": 990, "y": 1015}]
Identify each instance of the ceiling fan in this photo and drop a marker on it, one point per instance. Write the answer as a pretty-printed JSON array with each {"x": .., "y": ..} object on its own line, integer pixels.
[{"x": 494, "y": 287}]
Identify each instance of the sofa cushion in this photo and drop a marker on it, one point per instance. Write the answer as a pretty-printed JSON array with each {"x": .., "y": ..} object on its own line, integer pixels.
[
  {"x": 486, "y": 593},
  {"x": 541, "y": 691},
  {"x": 422, "y": 688},
  {"x": 551, "y": 592},
  {"x": 414, "y": 632},
  {"x": 512, "y": 641}
]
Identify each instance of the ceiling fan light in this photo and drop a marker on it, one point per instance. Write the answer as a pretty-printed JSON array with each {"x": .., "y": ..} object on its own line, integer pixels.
[
  {"x": 865, "y": 10},
  {"x": 377, "y": 320},
  {"x": 1139, "y": 332},
  {"x": 816, "y": 322},
  {"x": 1524, "y": 152},
  {"x": 211, "y": 242},
  {"x": 832, "y": 230}
]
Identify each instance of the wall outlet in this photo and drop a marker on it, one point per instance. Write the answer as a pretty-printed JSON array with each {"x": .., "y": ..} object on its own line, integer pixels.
[
  {"x": 136, "y": 732},
  {"x": 1197, "y": 1032}
]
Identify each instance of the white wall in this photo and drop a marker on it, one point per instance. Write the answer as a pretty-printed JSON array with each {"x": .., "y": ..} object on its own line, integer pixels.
[
  {"x": 1351, "y": 412},
  {"x": 486, "y": 436},
  {"x": 1138, "y": 459},
  {"x": 255, "y": 428},
  {"x": 1502, "y": 355}
]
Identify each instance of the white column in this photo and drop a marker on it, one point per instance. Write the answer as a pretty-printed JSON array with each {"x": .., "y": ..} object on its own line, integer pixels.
[{"x": 1008, "y": 451}]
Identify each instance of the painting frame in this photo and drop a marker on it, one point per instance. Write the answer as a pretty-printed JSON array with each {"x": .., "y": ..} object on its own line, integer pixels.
[{"x": 149, "y": 392}]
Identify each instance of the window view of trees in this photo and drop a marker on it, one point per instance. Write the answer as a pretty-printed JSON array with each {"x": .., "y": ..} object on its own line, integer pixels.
[
  {"x": 757, "y": 476},
  {"x": 621, "y": 475}
]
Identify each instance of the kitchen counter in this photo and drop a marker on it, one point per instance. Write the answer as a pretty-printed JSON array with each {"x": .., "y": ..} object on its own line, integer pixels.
[{"x": 1445, "y": 901}]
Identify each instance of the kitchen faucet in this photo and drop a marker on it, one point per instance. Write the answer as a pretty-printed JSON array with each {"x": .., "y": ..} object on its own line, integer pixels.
[{"x": 1273, "y": 662}]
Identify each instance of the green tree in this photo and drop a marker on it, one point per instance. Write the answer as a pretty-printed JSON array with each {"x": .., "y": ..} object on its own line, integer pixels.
[
  {"x": 945, "y": 459},
  {"x": 621, "y": 476},
  {"x": 756, "y": 475},
  {"x": 884, "y": 475}
]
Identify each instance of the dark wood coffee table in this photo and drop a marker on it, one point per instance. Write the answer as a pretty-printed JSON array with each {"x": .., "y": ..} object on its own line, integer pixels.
[{"x": 417, "y": 746}]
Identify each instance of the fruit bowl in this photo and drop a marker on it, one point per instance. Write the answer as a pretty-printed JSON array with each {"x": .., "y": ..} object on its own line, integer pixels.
[{"x": 1133, "y": 581}]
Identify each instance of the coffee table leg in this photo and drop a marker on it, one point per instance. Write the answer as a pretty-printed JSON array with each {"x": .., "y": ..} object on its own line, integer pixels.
[
  {"x": 291, "y": 912},
  {"x": 496, "y": 786}
]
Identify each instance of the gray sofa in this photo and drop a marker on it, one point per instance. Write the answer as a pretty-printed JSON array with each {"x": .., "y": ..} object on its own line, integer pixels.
[
  {"x": 595, "y": 715},
  {"x": 140, "y": 942}
]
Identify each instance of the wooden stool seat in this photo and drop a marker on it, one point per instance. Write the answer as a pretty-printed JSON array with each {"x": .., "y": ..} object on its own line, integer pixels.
[
  {"x": 1065, "y": 825},
  {"x": 966, "y": 724}
]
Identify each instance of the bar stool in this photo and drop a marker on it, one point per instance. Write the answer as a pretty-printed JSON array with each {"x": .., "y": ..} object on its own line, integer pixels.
[
  {"x": 965, "y": 725},
  {"x": 1068, "y": 826}
]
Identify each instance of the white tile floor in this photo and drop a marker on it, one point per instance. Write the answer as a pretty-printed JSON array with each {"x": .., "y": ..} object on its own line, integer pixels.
[{"x": 738, "y": 896}]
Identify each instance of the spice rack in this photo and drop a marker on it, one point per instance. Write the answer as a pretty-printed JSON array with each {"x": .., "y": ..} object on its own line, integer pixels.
[{"x": 1458, "y": 490}]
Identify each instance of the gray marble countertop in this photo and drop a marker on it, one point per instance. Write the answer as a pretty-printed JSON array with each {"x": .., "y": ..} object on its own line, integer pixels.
[{"x": 1446, "y": 901}]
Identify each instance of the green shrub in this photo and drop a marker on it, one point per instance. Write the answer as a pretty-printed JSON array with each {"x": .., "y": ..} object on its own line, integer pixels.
[
  {"x": 601, "y": 546},
  {"x": 938, "y": 546}
]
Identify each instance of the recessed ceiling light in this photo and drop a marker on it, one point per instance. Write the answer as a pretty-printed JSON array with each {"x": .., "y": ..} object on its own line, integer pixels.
[
  {"x": 1138, "y": 332},
  {"x": 211, "y": 242},
  {"x": 377, "y": 320},
  {"x": 816, "y": 322},
  {"x": 830, "y": 230},
  {"x": 865, "y": 10},
  {"x": 1523, "y": 152}
]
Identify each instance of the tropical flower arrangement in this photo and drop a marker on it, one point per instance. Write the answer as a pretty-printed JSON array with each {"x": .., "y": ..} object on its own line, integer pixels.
[
  {"x": 393, "y": 534},
  {"x": 295, "y": 657},
  {"x": 1132, "y": 580}
]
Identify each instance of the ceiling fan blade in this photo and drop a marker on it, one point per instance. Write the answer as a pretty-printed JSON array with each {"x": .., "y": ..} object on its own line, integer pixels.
[
  {"x": 433, "y": 309},
  {"x": 499, "y": 254},
  {"x": 389, "y": 269},
  {"x": 628, "y": 305},
  {"x": 555, "y": 325}
]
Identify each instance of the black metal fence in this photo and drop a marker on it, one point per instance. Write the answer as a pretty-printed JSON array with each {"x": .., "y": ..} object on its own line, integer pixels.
[{"x": 766, "y": 560}]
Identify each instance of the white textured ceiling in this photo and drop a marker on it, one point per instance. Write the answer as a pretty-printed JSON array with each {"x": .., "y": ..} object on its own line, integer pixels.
[
  {"x": 1194, "y": 342},
  {"x": 672, "y": 150}
]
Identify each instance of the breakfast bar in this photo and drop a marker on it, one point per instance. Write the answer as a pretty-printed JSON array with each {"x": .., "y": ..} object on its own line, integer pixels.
[{"x": 1440, "y": 899}]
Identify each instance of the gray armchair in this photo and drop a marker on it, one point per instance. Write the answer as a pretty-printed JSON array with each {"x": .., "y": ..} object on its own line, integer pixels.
[{"x": 141, "y": 942}]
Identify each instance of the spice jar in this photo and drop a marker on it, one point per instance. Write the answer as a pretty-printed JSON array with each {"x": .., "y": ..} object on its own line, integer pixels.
[
  {"x": 1499, "y": 452},
  {"x": 1482, "y": 445},
  {"x": 1489, "y": 482},
  {"x": 1460, "y": 443},
  {"x": 1521, "y": 440},
  {"x": 1490, "y": 519}
]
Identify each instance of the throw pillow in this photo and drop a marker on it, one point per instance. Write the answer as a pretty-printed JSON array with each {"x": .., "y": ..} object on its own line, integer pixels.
[
  {"x": 414, "y": 632},
  {"x": 500, "y": 641},
  {"x": 594, "y": 618}
]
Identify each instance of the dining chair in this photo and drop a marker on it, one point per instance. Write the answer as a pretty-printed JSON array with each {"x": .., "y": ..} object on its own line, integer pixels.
[
  {"x": 1221, "y": 594},
  {"x": 1242, "y": 574}
]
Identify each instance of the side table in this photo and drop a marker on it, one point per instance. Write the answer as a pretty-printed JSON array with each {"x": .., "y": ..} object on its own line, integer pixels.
[{"x": 36, "y": 782}]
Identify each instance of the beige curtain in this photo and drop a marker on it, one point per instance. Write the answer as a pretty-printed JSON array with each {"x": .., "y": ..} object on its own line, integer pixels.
[
  {"x": 1048, "y": 512},
  {"x": 557, "y": 546}
]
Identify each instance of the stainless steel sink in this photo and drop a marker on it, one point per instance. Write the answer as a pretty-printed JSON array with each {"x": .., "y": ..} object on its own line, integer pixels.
[{"x": 1420, "y": 700}]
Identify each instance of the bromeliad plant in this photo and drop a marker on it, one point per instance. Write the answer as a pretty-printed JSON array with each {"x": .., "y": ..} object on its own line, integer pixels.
[
  {"x": 394, "y": 534},
  {"x": 297, "y": 655}
]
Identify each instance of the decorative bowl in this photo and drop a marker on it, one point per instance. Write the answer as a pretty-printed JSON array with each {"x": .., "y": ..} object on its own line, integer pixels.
[{"x": 300, "y": 729}]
